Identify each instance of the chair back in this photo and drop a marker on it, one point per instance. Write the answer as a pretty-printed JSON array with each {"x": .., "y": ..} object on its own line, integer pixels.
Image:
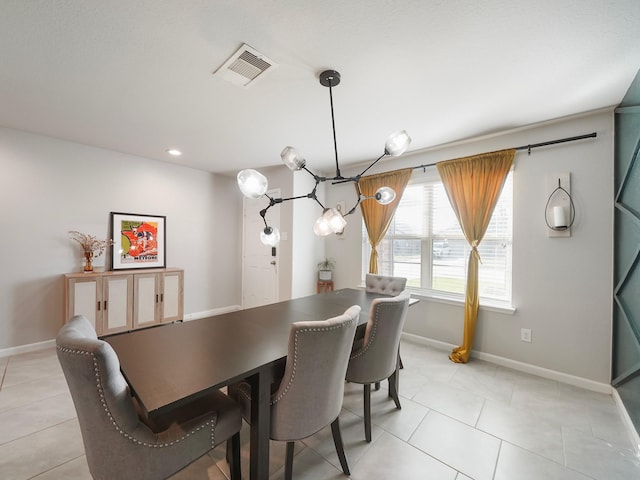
[
  {"x": 100, "y": 393},
  {"x": 384, "y": 284},
  {"x": 312, "y": 389},
  {"x": 117, "y": 444},
  {"x": 376, "y": 358}
]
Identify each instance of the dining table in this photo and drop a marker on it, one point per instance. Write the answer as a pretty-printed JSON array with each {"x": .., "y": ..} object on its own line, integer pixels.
[{"x": 172, "y": 364}]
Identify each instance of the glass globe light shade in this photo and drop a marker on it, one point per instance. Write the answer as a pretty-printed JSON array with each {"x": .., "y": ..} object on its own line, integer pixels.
[
  {"x": 270, "y": 236},
  {"x": 292, "y": 158},
  {"x": 321, "y": 227},
  {"x": 385, "y": 195},
  {"x": 397, "y": 143},
  {"x": 252, "y": 183},
  {"x": 336, "y": 220}
]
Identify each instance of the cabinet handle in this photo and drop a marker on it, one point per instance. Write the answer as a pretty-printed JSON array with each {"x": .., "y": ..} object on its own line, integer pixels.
[
  {"x": 105, "y": 305},
  {"x": 156, "y": 298},
  {"x": 98, "y": 305},
  {"x": 162, "y": 297}
]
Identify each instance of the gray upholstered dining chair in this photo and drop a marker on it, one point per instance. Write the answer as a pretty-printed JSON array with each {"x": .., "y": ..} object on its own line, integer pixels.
[
  {"x": 309, "y": 396},
  {"x": 118, "y": 442},
  {"x": 384, "y": 284},
  {"x": 375, "y": 357}
]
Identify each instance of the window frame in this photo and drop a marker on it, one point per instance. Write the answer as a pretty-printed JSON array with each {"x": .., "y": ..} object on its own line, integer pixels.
[{"x": 427, "y": 259}]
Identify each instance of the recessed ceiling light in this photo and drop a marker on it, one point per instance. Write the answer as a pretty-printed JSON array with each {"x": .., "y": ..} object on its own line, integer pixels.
[{"x": 174, "y": 152}]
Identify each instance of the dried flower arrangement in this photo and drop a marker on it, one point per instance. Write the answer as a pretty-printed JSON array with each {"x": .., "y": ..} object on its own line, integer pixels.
[{"x": 91, "y": 246}]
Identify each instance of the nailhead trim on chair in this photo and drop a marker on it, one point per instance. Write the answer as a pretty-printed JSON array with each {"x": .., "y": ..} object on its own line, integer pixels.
[
  {"x": 295, "y": 359},
  {"x": 210, "y": 423},
  {"x": 295, "y": 354},
  {"x": 373, "y": 332}
]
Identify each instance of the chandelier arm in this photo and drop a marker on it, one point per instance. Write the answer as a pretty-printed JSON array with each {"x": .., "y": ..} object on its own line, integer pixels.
[
  {"x": 280, "y": 200},
  {"x": 263, "y": 213},
  {"x": 312, "y": 194},
  {"x": 359, "y": 194},
  {"x": 317, "y": 178},
  {"x": 345, "y": 180},
  {"x": 319, "y": 203},
  {"x": 354, "y": 207},
  {"x": 275, "y": 201},
  {"x": 374, "y": 162}
]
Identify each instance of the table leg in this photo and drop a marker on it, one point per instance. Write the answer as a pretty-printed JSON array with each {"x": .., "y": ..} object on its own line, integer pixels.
[{"x": 260, "y": 424}]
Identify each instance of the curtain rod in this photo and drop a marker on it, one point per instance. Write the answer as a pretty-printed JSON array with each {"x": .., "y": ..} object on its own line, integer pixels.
[{"x": 530, "y": 146}]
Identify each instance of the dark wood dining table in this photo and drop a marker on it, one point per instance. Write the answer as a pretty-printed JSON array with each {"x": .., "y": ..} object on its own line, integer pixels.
[{"x": 171, "y": 364}]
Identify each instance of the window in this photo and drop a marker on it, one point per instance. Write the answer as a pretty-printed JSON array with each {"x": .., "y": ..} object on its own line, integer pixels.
[{"x": 425, "y": 244}]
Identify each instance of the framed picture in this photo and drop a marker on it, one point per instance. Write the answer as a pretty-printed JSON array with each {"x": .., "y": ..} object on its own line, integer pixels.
[{"x": 138, "y": 241}]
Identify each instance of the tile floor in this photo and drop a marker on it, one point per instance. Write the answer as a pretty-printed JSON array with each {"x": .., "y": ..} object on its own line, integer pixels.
[{"x": 458, "y": 422}]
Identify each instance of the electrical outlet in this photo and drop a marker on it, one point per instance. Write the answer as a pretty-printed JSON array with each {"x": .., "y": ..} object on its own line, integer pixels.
[{"x": 525, "y": 334}]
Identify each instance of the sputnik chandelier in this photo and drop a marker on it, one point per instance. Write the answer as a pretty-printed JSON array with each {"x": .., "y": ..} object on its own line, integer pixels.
[{"x": 254, "y": 185}]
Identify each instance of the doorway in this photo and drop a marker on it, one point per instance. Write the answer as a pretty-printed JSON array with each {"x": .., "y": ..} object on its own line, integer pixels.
[{"x": 260, "y": 272}]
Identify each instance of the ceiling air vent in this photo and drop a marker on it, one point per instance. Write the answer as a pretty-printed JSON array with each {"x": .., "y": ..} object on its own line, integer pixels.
[{"x": 245, "y": 67}]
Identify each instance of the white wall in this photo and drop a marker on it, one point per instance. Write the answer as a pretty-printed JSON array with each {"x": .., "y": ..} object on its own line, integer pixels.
[
  {"x": 562, "y": 287},
  {"x": 50, "y": 186}
]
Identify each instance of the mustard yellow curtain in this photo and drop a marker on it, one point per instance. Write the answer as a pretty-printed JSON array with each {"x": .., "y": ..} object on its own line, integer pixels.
[
  {"x": 473, "y": 185},
  {"x": 377, "y": 218}
]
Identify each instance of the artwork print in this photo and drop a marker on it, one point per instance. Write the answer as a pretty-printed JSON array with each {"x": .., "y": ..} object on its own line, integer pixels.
[{"x": 139, "y": 241}]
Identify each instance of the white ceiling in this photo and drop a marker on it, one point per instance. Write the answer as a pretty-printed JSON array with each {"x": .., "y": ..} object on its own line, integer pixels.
[{"x": 135, "y": 76}]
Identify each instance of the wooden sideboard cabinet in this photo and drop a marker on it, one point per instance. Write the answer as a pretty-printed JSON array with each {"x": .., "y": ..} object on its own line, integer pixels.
[{"x": 125, "y": 300}]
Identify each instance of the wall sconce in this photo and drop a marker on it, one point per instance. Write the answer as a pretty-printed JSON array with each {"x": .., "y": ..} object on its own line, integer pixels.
[{"x": 559, "y": 213}]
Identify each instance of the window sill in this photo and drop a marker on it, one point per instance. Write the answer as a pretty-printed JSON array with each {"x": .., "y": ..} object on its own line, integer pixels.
[{"x": 455, "y": 299}]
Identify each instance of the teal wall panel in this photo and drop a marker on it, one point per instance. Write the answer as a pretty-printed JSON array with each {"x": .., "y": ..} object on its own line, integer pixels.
[
  {"x": 626, "y": 347},
  {"x": 630, "y": 396},
  {"x": 626, "y": 308}
]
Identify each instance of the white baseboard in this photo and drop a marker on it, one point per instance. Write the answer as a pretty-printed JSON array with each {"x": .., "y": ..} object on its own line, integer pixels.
[
  {"x": 626, "y": 419},
  {"x": 520, "y": 366},
  {"x": 32, "y": 347}
]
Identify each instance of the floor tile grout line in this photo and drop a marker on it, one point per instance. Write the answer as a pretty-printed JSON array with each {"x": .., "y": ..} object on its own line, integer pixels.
[
  {"x": 408, "y": 442},
  {"x": 48, "y": 427},
  {"x": 484, "y": 403},
  {"x": 33, "y": 400},
  {"x": 495, "y": 465},
  {"x": 4, "y": 372},
  {"x": 57, "y": 466}
]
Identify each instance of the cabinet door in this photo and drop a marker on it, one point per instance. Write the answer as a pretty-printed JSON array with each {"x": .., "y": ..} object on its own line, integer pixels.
[
  {"x": 146, "y": 298},
  {"x": 172, "y": 296},
  {"x": 117, "y": 298},
  {"x": 84, "y": 297}
]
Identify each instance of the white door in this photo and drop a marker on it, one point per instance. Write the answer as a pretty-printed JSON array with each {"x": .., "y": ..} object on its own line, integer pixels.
[{"x": 260, "y": 262}]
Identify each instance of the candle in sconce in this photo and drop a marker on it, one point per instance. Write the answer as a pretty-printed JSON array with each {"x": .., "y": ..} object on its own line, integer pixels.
[{"x": 559, "y": 218}]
